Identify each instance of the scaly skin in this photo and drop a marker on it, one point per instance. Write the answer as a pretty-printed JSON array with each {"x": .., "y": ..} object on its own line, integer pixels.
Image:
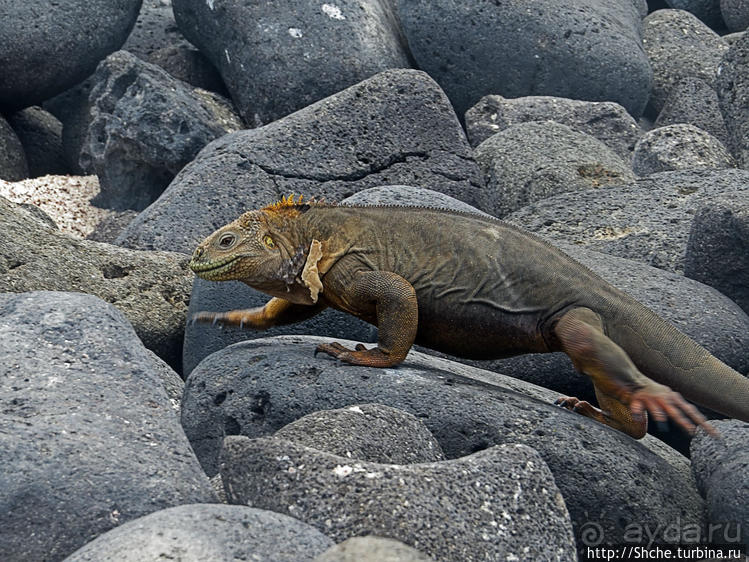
[{"x": 472, "y": 287}]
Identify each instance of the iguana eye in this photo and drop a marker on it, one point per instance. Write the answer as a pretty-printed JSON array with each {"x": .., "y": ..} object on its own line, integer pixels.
[
  {"x": 227, "y": 240},
  {"x": 268, "y": 241}
]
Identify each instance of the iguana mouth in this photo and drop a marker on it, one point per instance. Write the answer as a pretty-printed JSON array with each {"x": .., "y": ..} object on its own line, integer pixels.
[{"x": 212, "y": 267}]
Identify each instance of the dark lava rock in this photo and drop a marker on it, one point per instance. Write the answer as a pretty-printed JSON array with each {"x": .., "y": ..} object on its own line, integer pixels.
[
  {"x": 694, "y": 102},
  {"x": 678, "y": 46},
  {"x": 735, "y": 14},
  {"x": 278, "y": 57},
  {"x": 13, "y": 165},
  {"x": 679, "y": 147},
  {"x": 47, "y": 47},
  {"x": 532, "y": 161},
  {"x": 145, "y": 126},
  {"x": 367, "y": 432},
  {"x": 372, "y": 549},
  {"x": 501, "y": 503},
  {"x": 607, "y": 121},
  {"x": 150, "y": 288},
  {"x": 88, "y": 435},
  {"x": 718, "y": 247},
  {"x": 706, "y": 10},
  {"x": 154, "y": 29},
  {"x": 590, "y": 49},
  {"x": 648, "y": 221},
  {"x": 733, "y": 93},
  {"x": 395, "y": 128},
  {"x": 40, "y": 134},
  {"x": 719, "y": 466},
  {"x": 265, "y": 384},
  {"x": 207, "y": 532}
]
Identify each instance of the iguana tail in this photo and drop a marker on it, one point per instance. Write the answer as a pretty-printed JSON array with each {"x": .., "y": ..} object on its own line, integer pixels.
[{"x": 669, "y": 357}]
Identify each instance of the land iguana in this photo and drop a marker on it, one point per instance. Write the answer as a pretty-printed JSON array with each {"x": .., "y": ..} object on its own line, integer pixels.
[{"x": 470, "y": 286}]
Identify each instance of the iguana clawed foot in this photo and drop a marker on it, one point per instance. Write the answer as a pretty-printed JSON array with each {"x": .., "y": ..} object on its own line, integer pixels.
[
  {"x": 360, "y": 355},
  {"x": 212, "y": 318}
]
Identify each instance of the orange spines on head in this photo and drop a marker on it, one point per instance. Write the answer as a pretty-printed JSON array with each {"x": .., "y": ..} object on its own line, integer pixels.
[{"x": 286, "y": 203}]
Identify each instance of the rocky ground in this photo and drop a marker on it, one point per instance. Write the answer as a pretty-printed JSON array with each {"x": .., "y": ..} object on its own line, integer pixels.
[{"x": 619, "y": 131}]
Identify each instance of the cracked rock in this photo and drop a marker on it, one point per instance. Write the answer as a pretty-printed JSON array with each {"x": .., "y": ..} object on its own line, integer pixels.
[{"x": 394, "y": 128}]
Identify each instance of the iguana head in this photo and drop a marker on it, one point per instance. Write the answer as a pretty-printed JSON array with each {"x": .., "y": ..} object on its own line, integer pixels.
[{"x": 263, "y": 249}]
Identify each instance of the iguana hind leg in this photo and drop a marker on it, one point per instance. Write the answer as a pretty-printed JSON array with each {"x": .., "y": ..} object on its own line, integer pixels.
[{"x": 623, "y": 392}]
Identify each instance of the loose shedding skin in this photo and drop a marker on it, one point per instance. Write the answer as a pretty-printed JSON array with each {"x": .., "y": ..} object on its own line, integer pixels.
[{"x": 470, "y": 286}]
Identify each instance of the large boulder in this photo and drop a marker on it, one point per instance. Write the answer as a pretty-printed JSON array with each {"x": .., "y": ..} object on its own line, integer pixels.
[
  {"x": 145, "y": 126},
  {"x": 13, "y": 165},
  {"x": 706, "y": 10},
  {"x": 733, "y": 93},
  {"x": 88, "y": 434},
  {"x": 47, "y": 47},
  {"x": 648, "y": 221},
  {"x": 678, "y": 46},
  {"x": 278, "y": 57},
  {"x": 151, "y": 288},
  {"x": 735, "y": 14},
  {"x": 209, "y": 532},
  {"x": 531, "y": 161},
  {"x": 588, "y": 50},
  {"x": 255, "y": 388},
  {"x": 40, "y": 134},
  {"x": 396, "y": 127}
]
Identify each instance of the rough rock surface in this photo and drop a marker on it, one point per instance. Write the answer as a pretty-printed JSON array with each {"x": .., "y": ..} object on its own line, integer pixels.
[
  {"x": 145, "y": 127},
  {"x": 474, "y": 48},
  {"x": 268, "y": 383},
  {"x": 607, "y": 121},
  {"x": 40, "y": 134},
  {"x": 735, "y": 14},
  {"x": 13, "y": 165},
  {"x": 531, "y": 161},
  {"x": 733, "y": 93},
  {"x": 719, "y": 466},
  {"x": 150, "y": 288},
  {"x": 648, "y": 221},
  {"x": 694, "y": 102},
  {"x": 503, "y": 502},
  {"x": 314, "y": 50},
  {"x": 48, "y": 47},
  {"x": 372, "y": 549},
  {"x": 679, "y": 147},
  {"x": 88, "y": 435},
  {"x": 679, "y": 45},
  {"x": 367, "y": 432},
  {"x": 394, "y": 128},
  {"x": 708, "y": 11},
  {"x": 718, "y": 247},
  {"x": 209, "y": 532}
]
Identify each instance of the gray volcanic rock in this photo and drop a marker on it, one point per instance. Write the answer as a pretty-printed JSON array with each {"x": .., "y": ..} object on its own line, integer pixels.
[
  {"x": 150, "y": 288},
  {"x": 678, "y": 46},
  {"x": 88, "y": 435},
  {"x": 679, "y": 147},
  {"x": 735, "y": 14},
  {"x": 694, "y": 102},
  {"x": 372, "y": 549},
  {"x": 648, "y": 221},
  {"x": 278, "y": 57},
  {"x": 367, "y": 432},
  {"x": 733, "y": 93},
  {"x": 718, "y": 247},
  {"x": 589, "y": 49},
  {"x": 706, "y": 10},
  {"x": 532, "y": 161},
  {"x": 719, "y": 466},
  {"x": 40, "y": 134},
  {"x": 145, "y": 126},
  {"x": 397, "y": 127},
  {"x": 501, "y": 503},
  {"x": 45, "y": 47},
  {"x": 268, "y": 383},
  {"x": 13, "y": 165},
  {"x": 154, "y": 29},
  {"x": 607, "y": 121},
  {"x": 207, "y": 532}
]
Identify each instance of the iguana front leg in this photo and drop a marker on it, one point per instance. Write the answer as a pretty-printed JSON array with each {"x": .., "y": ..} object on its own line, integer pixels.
[
  {"x": 276, "y": 312},
  {"x": 623, "y": 392},
  {"x": 397, "y": 313}
]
